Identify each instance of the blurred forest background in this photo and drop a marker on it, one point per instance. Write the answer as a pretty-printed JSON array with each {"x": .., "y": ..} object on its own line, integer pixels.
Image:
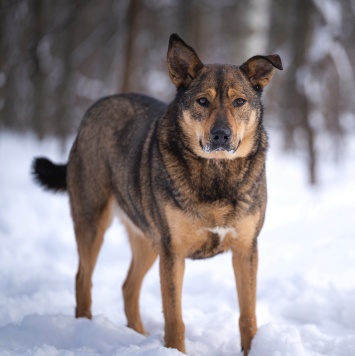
[{"x": 58, "y": 57}]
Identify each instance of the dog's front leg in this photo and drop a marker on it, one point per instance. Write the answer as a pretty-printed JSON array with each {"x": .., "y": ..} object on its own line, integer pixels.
[
  {"x": 245, "y": 265},
  {"x": 171, "y": 277}
]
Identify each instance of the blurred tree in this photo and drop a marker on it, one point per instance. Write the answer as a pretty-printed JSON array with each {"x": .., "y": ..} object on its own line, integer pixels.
[
  {"x": 294, "y": 98},
  {"x": 36, "y": 32},
  {"x": 315, "y": 91},
  {"x": 132, "y": 28},
  {"x": 58, "y": 57}
]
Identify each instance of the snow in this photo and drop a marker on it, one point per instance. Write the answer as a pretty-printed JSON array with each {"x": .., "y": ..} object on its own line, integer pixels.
[{"x": 306, "y": 285}]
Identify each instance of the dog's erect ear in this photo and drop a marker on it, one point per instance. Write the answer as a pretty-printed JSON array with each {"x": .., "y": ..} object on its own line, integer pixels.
[
  {"x": 183, "y": 62},
  {"x": 260, "y": 69}
]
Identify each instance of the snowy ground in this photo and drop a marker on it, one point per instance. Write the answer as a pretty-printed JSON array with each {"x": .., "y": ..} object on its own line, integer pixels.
[{"x": 306, "y": 287}]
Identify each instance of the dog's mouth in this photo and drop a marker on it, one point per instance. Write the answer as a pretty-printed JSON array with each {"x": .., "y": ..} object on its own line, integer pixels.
[{"x": 210, "y": 149}]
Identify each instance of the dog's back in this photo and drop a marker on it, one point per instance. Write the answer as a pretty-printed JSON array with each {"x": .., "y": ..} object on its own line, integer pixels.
[{"x": 110, "y": 151}]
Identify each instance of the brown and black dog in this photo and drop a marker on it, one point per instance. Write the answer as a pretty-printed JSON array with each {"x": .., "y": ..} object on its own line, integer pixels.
[{"x": 188, "y": 179}]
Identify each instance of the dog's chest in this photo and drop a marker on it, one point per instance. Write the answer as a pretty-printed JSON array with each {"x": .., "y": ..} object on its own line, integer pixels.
[
  {"x": 222, "y": 232},
  {"x": 211, "y": 231},
  {"x": 210, "y": 241}
]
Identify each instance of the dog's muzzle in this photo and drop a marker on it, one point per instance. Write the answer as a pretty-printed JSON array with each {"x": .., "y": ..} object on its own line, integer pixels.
[{"x": 220, "y": 140}]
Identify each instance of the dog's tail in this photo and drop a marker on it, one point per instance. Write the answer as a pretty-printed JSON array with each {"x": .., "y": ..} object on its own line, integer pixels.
[{"x": 49, "y": 175}]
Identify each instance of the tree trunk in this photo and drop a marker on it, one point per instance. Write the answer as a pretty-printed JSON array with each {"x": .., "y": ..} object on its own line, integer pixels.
[{"x": 131, "y": 34}]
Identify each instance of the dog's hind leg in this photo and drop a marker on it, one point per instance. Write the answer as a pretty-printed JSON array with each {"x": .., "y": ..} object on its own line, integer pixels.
[
  {"x": 143, "y": 257},
  {"x": 89, "y": 232}
]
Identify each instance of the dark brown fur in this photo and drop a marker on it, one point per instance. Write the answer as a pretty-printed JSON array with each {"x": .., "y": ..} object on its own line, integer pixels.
[{"x": 189, "y": 181}]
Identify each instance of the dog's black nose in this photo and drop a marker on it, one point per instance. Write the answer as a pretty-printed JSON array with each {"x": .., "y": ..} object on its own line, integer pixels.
[{"x": 220, "y": 135}]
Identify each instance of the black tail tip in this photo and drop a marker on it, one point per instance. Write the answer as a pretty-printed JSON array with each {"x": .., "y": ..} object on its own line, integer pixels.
[{"x": 48, "y": 175}]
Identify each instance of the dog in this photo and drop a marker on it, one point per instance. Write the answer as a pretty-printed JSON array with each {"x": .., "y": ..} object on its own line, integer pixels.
[{"x": 188, "y": 180}]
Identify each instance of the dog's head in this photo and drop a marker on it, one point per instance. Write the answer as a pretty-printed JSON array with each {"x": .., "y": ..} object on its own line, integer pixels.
[{"x": 221, "y": 104}]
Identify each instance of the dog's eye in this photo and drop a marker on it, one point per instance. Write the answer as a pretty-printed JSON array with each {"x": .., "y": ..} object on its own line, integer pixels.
[
  {"x": 258, "y": 88},
  {"x": 203, "y": 102},
  {"x": 239, "y": 102}
]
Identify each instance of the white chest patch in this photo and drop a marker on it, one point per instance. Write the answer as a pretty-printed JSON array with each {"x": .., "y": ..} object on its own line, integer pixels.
[{"x": 222, "y": 232}]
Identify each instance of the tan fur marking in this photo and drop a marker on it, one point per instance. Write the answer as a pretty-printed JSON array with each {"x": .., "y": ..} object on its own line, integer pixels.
[
  {"x": 186, "y": 233},
  {"x": 143, "y": 257},
  {"x": 189, "y": 234},
  {"x": 171, "y": 277},
  {"x": 245, "y": 270},
  {"x": 194, "y": 130},
  {"x": 247, "y": 136},
  {"x": 245, "y": 264},
  {"x": 211, "y": 93},
  {"x": 233, "y": 93},
  {"x": 252, "y": 120},
  {"x": 246, "y": 230}
]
